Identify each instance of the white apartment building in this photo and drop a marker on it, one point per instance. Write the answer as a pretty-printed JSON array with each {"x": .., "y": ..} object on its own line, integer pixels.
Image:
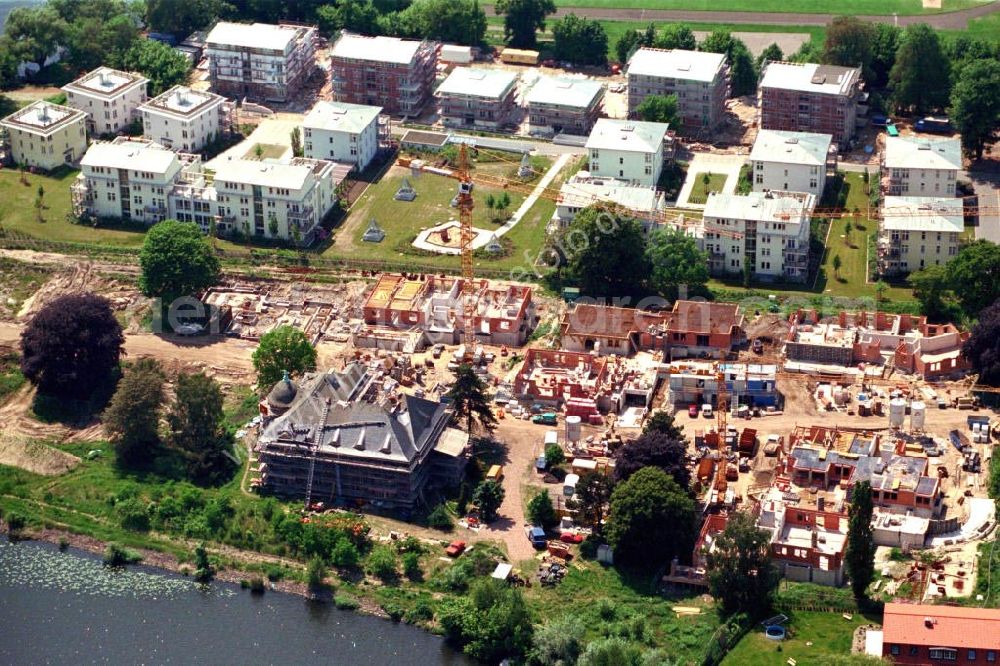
[
  {"x": 583, "y": 190},
  {"x": 916, "y": 232},
  {"x": 45, "y": 135},
  {"x": 791, "y": 161},
  {"x": 183, "y": 119},
  {"x": 765, "y": 231},
  {"x": 629, "y": 150},
  {"x": 921, "y": 167},
  {"x": 342, "y": 132},
  {"x": 260, "y": 61},
  {"x": 286, "y": 201},
  {"x": 110, "y": 98},
  {"x": 128, "y": 179}
]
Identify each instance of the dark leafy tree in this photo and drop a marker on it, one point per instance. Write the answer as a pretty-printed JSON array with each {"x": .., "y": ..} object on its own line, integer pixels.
[
  {"x": 675, "y": 36},
  {"x": 554, "y": 455},
  {"x": 627, "y": 44},
  {"x": 740, "y": 573},
  {"x": 604, "y": 253},
  {"x": 72, "y": 346},
  {"x": 593, "y": 492},
  {"x": 975, "y": 276},
  {"x": 198, "y": 431},
  {"x": 452, "y": 21},
  {"x": 920, "y": 77},
  {"x": 975, "y": 106},
  {"x": 181, "y": 18},
  {"x": 359, "y": 16},
  {"x": 651, "y": 519},
  {"x": 488, "y": 496},
  {"x": 176, "y": 260},
  {"x": 440, "y": 519},
  {"x": 8, "y": 66},
  {"x": 663, "y": 422},
  {"x": 654, "y": 449},
  {"x": 35, "y": 32},
  {"x": 491, "y": 623},
  {"x": 810, "y": 51},
  {"x": 521, "y": 18},
  {"x": 983, "y": 349},
  {"x": 931, "y": 287},
  {"x": 162, "y": 65},
  {"x": 581, "y": 41},
  {"x": 849, "y": 43},
  {"x": 558, "y": 642},
  {"x": 676, "y": 263},
  {"x": 660, "y": 109},
  {"x": 382, "y": 562},
  {"x": 859, "y": 556},
  {"x": 203, "y": 569},
  {"x": 296, "y": 139},
  {"x": 284, "y": 349},
  {"x": 885, "y": 43},
  {"x": 772, "y": 53},
  {"x": 472, "y": 404},
  {"x": 132, "y": 419},
  {"x": 315, "y": 575},
  {"x": 540, "y": 510},
  {"x": 743, "y": 73}
]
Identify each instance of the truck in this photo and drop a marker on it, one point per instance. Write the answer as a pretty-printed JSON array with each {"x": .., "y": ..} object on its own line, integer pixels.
[
  {"x": 548, "y": 418},
  {"x": 959, "y": 440},
  {"x": 934, "y": 125},
  {"x": 495, "y": 473},
  {"x": 748, "y": 441},
  {"x": 519, "y": 56}
]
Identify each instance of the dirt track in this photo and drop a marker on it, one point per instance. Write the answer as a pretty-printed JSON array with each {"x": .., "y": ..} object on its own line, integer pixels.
[{"x": 947, "y": 21}]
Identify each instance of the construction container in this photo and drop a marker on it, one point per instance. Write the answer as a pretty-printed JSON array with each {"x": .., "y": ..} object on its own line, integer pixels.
[
  {"x": 918, "y": 411},
  {"x": 748, "y": 441},
  {"x": 573, "y": 429},
  {"x": 897, "y": 412},
  {"x": 706, "y": 468}
]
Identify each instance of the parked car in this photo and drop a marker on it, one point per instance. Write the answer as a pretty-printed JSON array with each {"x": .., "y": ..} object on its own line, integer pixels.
[
  {"x": 455, "y": 548},
  {"x": 571, "y": 537},
  {"x": 693, "y": 411},
  {"x": 541, "y": 463},
  {"x": 706, "y": 411},
  {"x": 536, "y": 535},
  {"x": 880, "y": 120}
]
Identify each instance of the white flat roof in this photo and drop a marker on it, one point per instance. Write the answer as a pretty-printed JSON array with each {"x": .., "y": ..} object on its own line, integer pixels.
[
  {"x": 565, "y": 91},
  {"x": 133, "y": 155},
  {"x": 478, "y": 82},
  {"x": 809, "y": 77},
  {"x": 627, "y": 135},
  {"x": 43, "y": 117},
  {"x": 183, "y": 101},
  {"x": 377, "y": 49},
  {"x": 341, "y": 117},
  {"x": 264, "y": 173},
  {"x": 923, "y": 214},
  {"x": 910, "y": 152},
  {"x": 252, "y": 36},
  {"x": 106, "y": 82},
  {"x": 760, "y": 206},
  {"x": 791, "y": 147},
  {"x": 676, "y": 64},
  {"x": 584, "y": 192}
]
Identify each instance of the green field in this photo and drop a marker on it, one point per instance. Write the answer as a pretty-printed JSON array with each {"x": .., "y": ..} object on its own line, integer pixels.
[
  {"x": 846, "y": 7},
  {"x": 701, "y": 189},
  {"x": 813, "y": 636}
]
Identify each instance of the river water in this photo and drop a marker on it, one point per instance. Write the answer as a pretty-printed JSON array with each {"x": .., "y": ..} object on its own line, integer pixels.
[{"x": 61, "y": 608}]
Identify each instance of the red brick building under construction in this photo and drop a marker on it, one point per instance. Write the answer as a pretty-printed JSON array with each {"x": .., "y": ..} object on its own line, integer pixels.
[{"x": 395, "y": 74}]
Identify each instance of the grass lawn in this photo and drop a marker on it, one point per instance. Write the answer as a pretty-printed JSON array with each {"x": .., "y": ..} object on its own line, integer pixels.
[
  {"x": 828, "y": 634},
  {"x": 701, "y": 189},
  {"x": 402, "y": 220},
  {"x": 18, "y": 281},
  {"x": 847, "y": 7},
  {"x": 267, "y": 151}
]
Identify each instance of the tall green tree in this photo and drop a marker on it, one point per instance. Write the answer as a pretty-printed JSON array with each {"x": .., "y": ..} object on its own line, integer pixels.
[
  {"x": 651, "y": 519},
  {"x": 660, "y": 109},
  {"x": 488, "y": 496},
  {"x": 471, "y": 403},
  {"x": 885, "y": 43},
  {"x": 931, "y": 287},
  {"x": 283, "y": 349},
  {"x": 676, "y": 264},
  {"x": 541, "y": 511},
  {"x": 559, "y": 641},
  {"x": 181, "y": 18},
  {"x": 771, "y": 53},
  {"x": 197, "y": 429},
  {"x": 491, "y": 623},
  {"x": 452, "y": 21},
  {"x": 975, "y": 276},
  {"x": 604, "y": 253},
  {"x": 743, "y": 73},
  {"x": 176, "y": 260},
  {"x": 859, "y": 556},
  {"x": 849, "y": 43},
  {"x": 975, "y": 105},
  {"x": 654, "y": 448},
  {"x": 983, "y": 351},
  {"x": 522, "y": 18},
  {"x": 663, "y": 422},
  {"x": 581, "y": 41},
  {"x": 35, "y": 33},
  {"x": 132, "y": 418},
  {"x": 920, "y": 77},
  {"x": 8, "y": 67},
  {"x": 162, "y": 65},
  {"x": 359, "y": 16},
  {"x": 675, "y": 36},
  {"x": 740, "y": 574},
  {"x": 627, "y": 43}
]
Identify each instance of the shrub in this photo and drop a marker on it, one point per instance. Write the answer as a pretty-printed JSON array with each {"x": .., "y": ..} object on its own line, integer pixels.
[
  {"x": 382, "y": 562},
  {"x": 422, "y": 611},
  {"x": 440, "y": 519},
  {"x": 275, "y": 573},
  {"x": 63, "y": 544},
  {"x": 394, "y": 611},
  {"x": 345, "y": 602},
  {"x": 588, "y": 549},
  {"x": 411, "y": 566},
  {"x": 257, "y": 585},
  {"x": 315, "y": 574},
  {"x": 133, "y": 515},
  {"x": 15, "y": 523},
  {"x": 119, "y": 556}
]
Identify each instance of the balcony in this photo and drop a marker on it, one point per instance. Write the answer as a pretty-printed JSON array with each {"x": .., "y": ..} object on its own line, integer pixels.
[{"x": 304, "y": 215}]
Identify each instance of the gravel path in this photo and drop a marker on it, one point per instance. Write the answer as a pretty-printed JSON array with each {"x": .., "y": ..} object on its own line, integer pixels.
[{"x": 957, "y": 20}]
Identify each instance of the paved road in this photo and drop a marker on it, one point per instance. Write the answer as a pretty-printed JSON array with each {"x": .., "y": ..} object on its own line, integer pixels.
[{"x": 947, "y": 21}]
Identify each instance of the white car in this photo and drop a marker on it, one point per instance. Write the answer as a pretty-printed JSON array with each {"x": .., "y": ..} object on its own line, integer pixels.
[{"x": 706, "y": 410}]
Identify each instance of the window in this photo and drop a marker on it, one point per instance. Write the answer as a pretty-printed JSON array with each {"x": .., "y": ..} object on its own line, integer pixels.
[
  {"x": 971, "y": 656},
  {"x": 894, "y": 650},
  {"x": 991, "y": 655},
  {"x": 944, "y": 654}
]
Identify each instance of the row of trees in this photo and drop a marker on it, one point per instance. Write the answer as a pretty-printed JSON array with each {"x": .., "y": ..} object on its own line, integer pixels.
[{"x": 963, "y": 287}]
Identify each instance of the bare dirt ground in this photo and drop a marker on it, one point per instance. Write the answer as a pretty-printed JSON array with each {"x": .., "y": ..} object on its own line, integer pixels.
[{"x": 33, "y": 456}]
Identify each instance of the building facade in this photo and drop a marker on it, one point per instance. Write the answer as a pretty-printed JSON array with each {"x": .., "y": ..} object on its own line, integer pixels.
[
  {"x": 341, "y": 132},
  {"x": 629, "y": 150},
  {"x": 916, "y": 232},
  {"x": 583, "y": 190},
  {"x": 921, "y": 167},
  {"x": 260, "y": 61},
  {"x": 127, "y": 179},
  {"x": 925, "y": 634},
  {"x": 766, "y": 233},
  {"x": 700, "y": 81},
  {"x": 564, "y": 105},
  {"x": 791, "y": 161},
  {"x": 45, "y": 135},
  {"x": 396, "y": 74},
  {"x": 806, "y": 97},
  {"x": 478, "y": 98},
  {"x": 110, "y": 98},
  {"x": 183, "y": 119}
]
